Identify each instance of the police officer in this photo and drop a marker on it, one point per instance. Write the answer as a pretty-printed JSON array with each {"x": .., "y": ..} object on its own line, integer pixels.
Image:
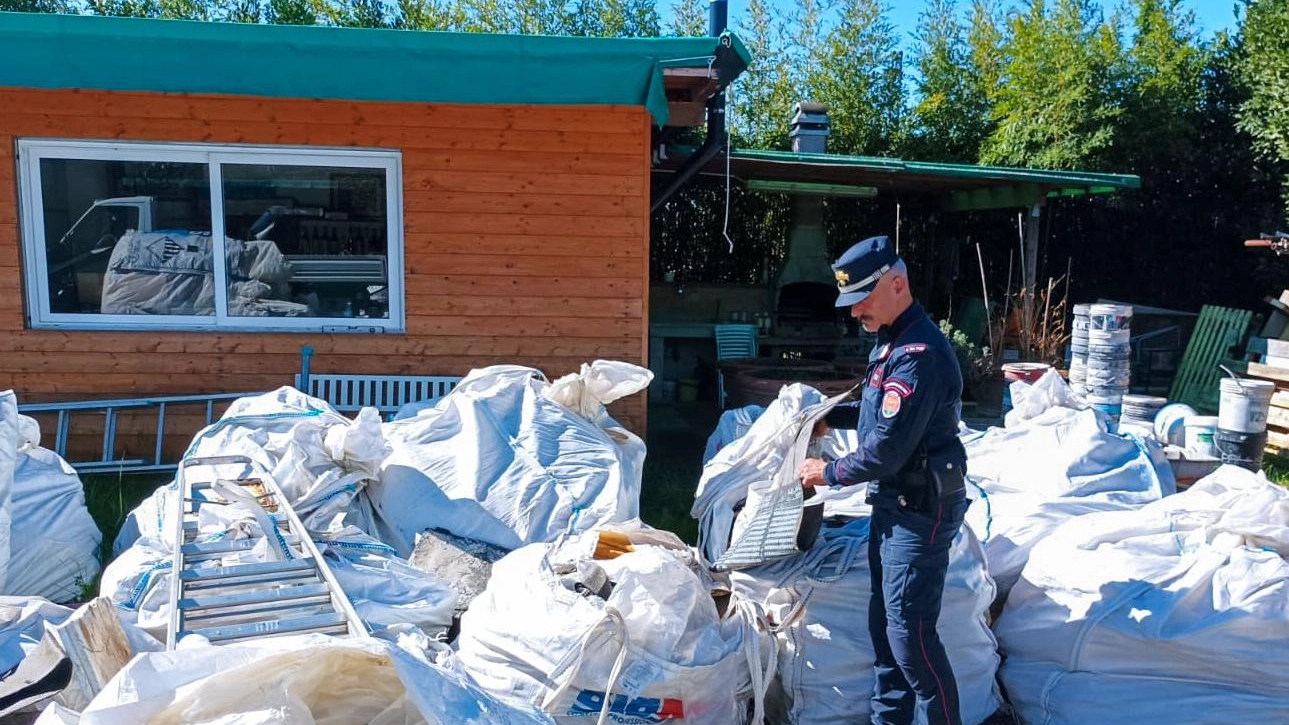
[{"x": 913, "y": 463}]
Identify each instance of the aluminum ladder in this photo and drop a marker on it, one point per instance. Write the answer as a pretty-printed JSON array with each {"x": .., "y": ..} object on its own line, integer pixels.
[
  {"x": 226, "y": 600},
  {"x": 110, "y": 411}
]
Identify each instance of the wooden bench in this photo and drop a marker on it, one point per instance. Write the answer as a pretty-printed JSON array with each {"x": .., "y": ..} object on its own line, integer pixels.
[{"x": 385, "y": 393}]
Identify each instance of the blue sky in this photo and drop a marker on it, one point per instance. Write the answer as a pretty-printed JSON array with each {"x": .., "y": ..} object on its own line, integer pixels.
[{"x": 1210, "y": 15}]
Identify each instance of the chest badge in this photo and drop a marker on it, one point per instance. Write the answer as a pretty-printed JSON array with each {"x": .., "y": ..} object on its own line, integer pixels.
[{"x": 891, "y": 403}]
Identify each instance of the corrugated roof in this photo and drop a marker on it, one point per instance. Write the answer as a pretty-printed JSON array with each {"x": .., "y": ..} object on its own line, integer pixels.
[
  {"x": 290, "y": 61},
  {"x": 965, "y": 186}
]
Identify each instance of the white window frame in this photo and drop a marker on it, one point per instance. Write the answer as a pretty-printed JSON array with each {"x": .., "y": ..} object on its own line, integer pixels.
[{"x": 32, "y": 225}]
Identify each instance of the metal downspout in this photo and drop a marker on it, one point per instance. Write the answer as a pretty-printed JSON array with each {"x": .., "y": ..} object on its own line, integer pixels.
[{"x": 714, "y": 144}]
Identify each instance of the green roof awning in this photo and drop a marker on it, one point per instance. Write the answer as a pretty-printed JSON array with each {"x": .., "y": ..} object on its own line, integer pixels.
[
  {"x": 289, "y": 61},
  {"x": 964, "y": 187}
]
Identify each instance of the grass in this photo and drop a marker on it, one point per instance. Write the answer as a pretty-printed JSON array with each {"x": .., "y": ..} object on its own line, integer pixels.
[
  {"x": 110, "y": 497},
  {"x": 1277, "y": 469}
]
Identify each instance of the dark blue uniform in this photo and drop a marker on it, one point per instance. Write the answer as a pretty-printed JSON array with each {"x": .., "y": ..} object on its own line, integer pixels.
[{"x": 910, "y": 456}]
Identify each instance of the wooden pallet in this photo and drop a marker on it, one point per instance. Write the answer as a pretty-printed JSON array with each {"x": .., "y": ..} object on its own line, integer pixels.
[{"x": 1218, "y": 330}]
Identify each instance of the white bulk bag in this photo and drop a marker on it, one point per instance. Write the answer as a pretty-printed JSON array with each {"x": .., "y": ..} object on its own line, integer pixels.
[
  {"x": 558, "y": 628},
  {"x": 55, "y": 540},
  {"x": 297, "y": 680},
  {"x": 509, "y": 459},
  {"x": 1177, "y": 612},
  {"x": 1028, "y": 479},
  {"x": 8, "y": 461},
  {"x": 819, "y": 601}
]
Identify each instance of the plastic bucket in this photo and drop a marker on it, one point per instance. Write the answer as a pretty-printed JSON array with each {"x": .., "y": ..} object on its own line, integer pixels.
[
  {"x": 1079, "y": 330},
  {"x": 1169, "y": 421},
  {"x": 1142, "y": 409},
  {"x": 1109, "y": 317},
  {"x": 1200, "y": 430},
  {"x": 1239, "y": 448},
  {"x": 1244, "y": 405},
  {"x": 1024, "y": 371}
]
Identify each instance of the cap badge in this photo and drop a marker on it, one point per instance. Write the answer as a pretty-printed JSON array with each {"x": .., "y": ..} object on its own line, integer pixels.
[{"x": 842, "y": 276}]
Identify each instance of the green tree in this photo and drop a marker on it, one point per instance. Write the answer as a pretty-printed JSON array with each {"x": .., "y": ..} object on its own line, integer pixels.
[
  {"x": 688, "y": 18},
  {"x": 428, "y": 15},
  {"x": 1262, "y": 68},
  {"x": 36, "y": 6},
  {"x": 614, "y": 19},
  {"x": 857, "y": 69},
  {"x": 291, "y": 12},
  {"x": 763, "y": 96},
  {"x": 1055, "y": 101},
  {"x": 1163, "y": 89},
  {"x": 951, "y": 116}
]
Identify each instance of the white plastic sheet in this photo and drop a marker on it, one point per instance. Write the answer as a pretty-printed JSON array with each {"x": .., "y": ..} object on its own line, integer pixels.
[
  {"x": 559, "y": 629},
  {"x": 1060, "y": 464},
  {"x": 500, "y": 460},
  {"x": 1173, "y": 613},
  {"x": 819, "y": 600}
]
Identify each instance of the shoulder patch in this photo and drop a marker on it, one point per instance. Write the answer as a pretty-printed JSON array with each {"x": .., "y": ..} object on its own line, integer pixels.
[
  {"x": 891, "y": 403},
  {"x": 899, "y": 387},
  {"x": 915, "y": 347}
]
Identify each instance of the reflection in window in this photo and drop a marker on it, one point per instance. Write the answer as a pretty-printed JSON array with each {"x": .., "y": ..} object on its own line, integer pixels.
[
  {"x": 306, "y": 240},
  {"x": 101, "y": 252}
]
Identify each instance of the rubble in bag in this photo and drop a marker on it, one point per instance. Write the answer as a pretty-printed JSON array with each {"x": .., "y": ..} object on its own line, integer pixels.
[
  {"x": 298, "y": 679},
  {"x": 1176, "y": 612},
  {"x": 464, "y": 562},
  {"x": 1059, "y": 464},
  {"x": 509, "y": 459},
  {"x": 53, "y": 542},
  {"x": 612, "y": 624},
  {"x": 818, "y": 602}
]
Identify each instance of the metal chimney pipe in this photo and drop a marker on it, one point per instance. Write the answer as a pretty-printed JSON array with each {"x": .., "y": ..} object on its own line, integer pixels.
[{"x": 717, "y": 17}]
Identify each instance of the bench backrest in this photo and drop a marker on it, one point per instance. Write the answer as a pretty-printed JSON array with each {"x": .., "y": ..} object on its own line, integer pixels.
[{"x": 385, "y": 393}]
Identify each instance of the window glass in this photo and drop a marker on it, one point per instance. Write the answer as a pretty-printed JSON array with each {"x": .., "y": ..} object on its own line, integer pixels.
[{"x": 306, "y": 240}]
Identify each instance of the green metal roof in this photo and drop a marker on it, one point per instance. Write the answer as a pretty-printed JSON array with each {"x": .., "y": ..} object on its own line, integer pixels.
[
  {"x": 131, "y": 54},
  {"x": 964, "y": 186}
]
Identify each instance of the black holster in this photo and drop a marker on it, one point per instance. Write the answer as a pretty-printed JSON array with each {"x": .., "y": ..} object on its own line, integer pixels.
[{"x": 921, "y": 487}]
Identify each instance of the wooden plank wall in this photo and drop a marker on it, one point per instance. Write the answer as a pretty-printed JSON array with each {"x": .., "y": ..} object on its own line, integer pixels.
[{"x": 526, "y": 242}]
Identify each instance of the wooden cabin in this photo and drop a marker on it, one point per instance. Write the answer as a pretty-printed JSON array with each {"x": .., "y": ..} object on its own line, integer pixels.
[{"x": 184, "y": 206}]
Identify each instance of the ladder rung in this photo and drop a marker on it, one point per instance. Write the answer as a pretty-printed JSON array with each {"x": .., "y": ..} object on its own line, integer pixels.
[
  {"x": 331, "y": 623},
  {"x": 228, "y": 616},
  {"x": 281, "y": 594},
  {"x": 231, "y": 575},
  {"x": 198, "y": 550}
]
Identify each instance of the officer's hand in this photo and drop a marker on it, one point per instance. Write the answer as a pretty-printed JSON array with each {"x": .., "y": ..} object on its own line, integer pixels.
[
  {"x": 821, "y": 429},
  {"x": 811, "y": 473}
]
